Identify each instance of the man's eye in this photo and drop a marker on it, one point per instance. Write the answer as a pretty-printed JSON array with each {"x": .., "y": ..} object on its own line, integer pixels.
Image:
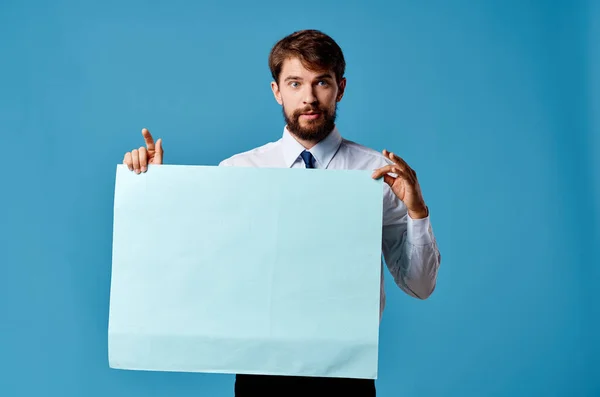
[
  {"x": 294, "y": 84},
  {"x": 323, "y": 82}
]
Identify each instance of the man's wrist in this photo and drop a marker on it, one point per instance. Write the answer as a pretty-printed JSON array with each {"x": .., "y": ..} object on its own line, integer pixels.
[{"x": 419, "y": 213}]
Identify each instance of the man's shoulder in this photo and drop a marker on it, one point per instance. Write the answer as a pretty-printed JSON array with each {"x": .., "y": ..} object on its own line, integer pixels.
[
  {"x": 364, "y": 153},
  {"x": 252, "y": 157}
]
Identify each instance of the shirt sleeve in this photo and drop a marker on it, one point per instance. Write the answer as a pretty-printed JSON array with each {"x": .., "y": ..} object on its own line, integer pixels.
[{"x": 409, "y": 248}]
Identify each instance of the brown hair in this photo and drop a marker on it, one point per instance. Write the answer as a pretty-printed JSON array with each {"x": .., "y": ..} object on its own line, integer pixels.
[{"x": 315, "y": 49}]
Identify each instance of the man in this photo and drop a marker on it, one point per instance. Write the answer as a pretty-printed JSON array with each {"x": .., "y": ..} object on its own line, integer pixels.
[{"x": 308, "y": 82}]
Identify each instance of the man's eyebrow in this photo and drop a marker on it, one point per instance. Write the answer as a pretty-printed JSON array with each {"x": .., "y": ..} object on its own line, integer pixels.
[{"x": 293, "y": 78}]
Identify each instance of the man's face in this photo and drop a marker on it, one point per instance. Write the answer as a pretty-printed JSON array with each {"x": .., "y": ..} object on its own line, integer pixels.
[{"x": 309, "y": 99}]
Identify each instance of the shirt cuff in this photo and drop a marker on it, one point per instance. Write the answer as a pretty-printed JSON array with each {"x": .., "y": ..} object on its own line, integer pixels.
[{"x": 418, "y": 231}]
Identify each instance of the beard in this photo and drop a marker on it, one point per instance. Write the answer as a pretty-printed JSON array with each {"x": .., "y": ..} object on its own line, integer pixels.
[{"x": 314, "y": 130}]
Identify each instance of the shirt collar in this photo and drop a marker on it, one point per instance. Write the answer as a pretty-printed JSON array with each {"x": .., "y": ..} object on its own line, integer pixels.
[{"x": 322, "y": 151}]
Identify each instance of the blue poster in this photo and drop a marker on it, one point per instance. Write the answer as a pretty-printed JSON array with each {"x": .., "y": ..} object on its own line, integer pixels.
[{"x": 246, "y": 270}]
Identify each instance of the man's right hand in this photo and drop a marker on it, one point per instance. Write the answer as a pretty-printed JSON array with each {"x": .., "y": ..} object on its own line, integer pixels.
[{"x": 138, "y": 159}]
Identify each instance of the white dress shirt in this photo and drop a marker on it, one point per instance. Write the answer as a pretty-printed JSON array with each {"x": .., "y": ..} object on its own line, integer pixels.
[{"x": 408, "y": 245}]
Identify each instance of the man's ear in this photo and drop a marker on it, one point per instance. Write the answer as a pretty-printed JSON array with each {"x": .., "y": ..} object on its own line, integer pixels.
[
  {"x": 341, "y": 89},
  {"x": 276, "y": 92}
]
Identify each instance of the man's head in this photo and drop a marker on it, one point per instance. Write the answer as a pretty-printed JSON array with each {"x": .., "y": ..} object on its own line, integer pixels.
[{"x": 308, "y": 81}]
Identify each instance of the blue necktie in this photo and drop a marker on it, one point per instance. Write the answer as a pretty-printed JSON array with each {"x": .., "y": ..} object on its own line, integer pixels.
[{"x": 308, "y": 158}]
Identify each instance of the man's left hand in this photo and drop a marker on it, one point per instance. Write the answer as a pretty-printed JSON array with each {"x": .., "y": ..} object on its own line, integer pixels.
[{"x": 405, "y": 185}]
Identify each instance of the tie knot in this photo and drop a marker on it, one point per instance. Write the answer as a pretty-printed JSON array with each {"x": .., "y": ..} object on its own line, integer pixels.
[{"x": 308, "y": 158}]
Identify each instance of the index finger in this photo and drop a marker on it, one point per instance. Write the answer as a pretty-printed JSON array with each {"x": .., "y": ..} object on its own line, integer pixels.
[{"x": 148, "y": 138}]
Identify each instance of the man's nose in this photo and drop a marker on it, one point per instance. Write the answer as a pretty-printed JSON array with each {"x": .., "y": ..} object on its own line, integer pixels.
[{"x": 309, "y": 96}]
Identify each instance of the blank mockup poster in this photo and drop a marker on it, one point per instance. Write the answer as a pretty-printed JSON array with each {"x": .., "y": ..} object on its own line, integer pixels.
[{"x": 246, "y": 271}]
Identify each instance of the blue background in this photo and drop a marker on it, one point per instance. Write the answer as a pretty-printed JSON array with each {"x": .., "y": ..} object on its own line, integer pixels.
[{"x": 495, "y": 104}]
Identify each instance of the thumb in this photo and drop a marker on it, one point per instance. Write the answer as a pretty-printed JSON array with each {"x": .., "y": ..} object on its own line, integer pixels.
[
  {"x": 158, "y": 155},
  {"x": 389, "y": 180}
]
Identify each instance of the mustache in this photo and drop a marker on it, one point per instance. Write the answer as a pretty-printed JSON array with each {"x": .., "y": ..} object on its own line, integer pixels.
[{"x": 309, "y": 109}]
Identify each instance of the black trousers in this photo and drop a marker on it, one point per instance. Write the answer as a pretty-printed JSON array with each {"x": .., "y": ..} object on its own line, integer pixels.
[{"x": 282, "y": 386}]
